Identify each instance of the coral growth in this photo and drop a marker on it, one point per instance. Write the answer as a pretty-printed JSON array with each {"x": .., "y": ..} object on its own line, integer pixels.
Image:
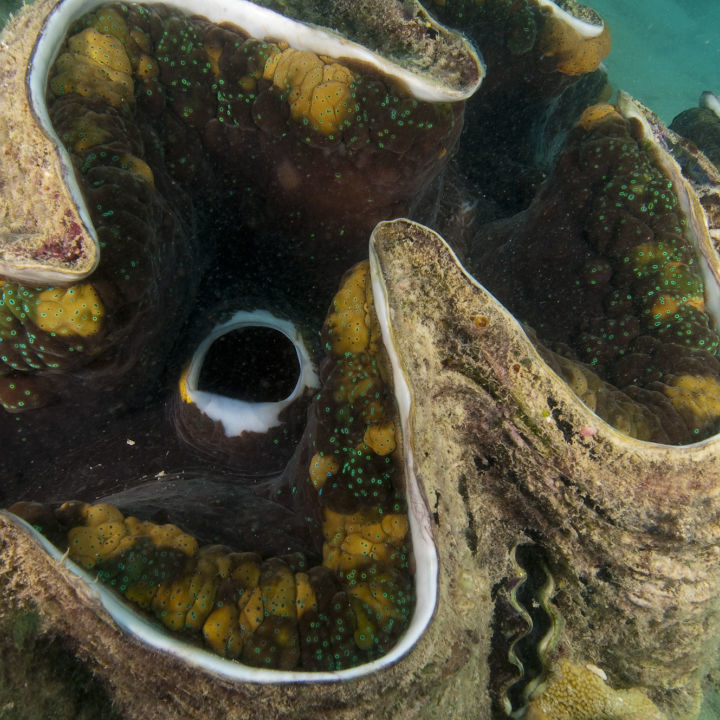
[{"x": 580, "y": 692}]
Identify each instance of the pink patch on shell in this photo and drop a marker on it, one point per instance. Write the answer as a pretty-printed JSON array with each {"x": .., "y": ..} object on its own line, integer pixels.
[
  {"x": 588, "y": 431},
  {"x": 66, "y": 248}
]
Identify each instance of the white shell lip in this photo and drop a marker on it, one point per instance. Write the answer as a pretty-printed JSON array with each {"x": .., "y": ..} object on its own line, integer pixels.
[
  {"x": 238, "y": 416},
  {"x": 259, "y": 22},
  {"x": 37, "y": 273},
  {"x": 584, "y": 29},
  {"x": 157, "y": 638},
  {"x": 423, "y": 552},
  {"x": 710, "y": 101}
]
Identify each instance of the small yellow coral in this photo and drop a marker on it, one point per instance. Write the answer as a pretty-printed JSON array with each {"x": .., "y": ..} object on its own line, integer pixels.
[
  {"x": 92, "y": 545},
  {"x": 147, "y": 67},
  {"x": 100, "y": 513},
  {"x": 105, "y": 51},
  {"x": 322, "y": 467},
  {"x": 330, "y": 106},
  {"x": 670, "y": 304},
  {"x": 139, "y": 168},
  {"x": 109, "y": 21},
  {"x": 361, "y": 539},
  {"x": 318, "y": 92},
  {"x": 214, "y": 51},
  {"x": 696, "y": 398},
  {"x": 168, "y": 536},
  {"x": 305, "y": 598},
  {"x": 364, "y": 635},
  {"x": 202, "y": 591},
  {"x": 596, "y": 114},
  {"x": 381, "y": 598},
  {"x": 579, "y": 692},
  {"x": 172, "y": 602},
  {"x": 222, "y": 632},
  {"x": 396, "y": 527},
  {"x": 346, "y": 323},
  {"x": 73, "y": 311},
  {"x": 277, "y": 585},
  {"x": 95, "y": 65},
  {"x": 252, "y": 611},
  {"x": 187, "y": 602},
  {"x": 106, "y": 533},
  {"x": 380, "y": 437},
  {"x": 86, "y": 134},
  {"x": 247, "y": 571}
]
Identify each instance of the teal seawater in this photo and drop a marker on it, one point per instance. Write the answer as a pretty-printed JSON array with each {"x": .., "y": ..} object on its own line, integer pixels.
[{"x": 664, "y": 52}]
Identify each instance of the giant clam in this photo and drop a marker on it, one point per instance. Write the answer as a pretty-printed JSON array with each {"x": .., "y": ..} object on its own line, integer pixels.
[{"x": 453, "y": 529}]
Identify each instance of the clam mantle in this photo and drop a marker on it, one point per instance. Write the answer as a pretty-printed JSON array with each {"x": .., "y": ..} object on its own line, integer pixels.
[{"x": 629, "y": 529}]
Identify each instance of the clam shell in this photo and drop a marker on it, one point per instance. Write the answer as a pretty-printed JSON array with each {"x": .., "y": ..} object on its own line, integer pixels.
[
  {"x": 46, "y": 236},
  {"x": 52, "y": 575},
  {"x": 630, "y": 528}
]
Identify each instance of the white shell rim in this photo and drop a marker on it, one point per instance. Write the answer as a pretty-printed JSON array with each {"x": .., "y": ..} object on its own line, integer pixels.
[
  {"x": 584, "y": 29},
  {"x": 238, "y": 416},
  {"x": 710, "y": 101}
]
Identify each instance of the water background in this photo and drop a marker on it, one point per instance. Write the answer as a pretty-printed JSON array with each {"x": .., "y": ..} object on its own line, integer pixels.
[{"x": 664, "y": 52}]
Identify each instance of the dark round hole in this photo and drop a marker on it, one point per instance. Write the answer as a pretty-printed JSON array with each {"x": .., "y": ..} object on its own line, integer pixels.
[{"x": 254, "y": 364}]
